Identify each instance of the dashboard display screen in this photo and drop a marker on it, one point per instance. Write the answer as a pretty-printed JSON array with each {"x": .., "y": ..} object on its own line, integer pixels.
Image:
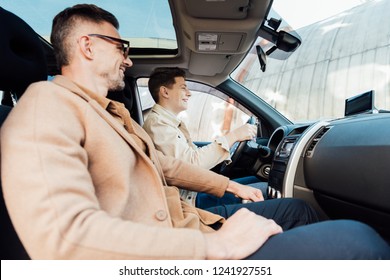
[{"x": 362, "y": 103}]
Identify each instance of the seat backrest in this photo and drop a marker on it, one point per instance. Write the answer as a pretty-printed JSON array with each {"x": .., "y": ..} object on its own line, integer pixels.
[{"x": 22, "y": 62}]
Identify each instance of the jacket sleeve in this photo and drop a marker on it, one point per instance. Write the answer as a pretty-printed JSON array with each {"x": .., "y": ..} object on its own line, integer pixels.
[
  {"x": 192, "y": 177},
  {"x": 170, "y": 141}
]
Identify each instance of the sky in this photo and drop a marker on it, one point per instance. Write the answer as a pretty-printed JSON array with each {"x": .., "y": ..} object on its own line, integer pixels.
[{"x": 299, "y": 13}]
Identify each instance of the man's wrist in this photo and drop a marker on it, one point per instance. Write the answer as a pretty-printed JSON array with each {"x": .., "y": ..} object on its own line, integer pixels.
[
  {"x": 232, "y": 187},
  {"x": 231, "y": 138},
  {"x": 214, "y": 248}
]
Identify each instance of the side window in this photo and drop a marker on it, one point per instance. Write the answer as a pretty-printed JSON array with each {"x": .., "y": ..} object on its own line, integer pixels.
[
  {"x": 210, "y": 112},
  {"x": 147, "y": 101}
]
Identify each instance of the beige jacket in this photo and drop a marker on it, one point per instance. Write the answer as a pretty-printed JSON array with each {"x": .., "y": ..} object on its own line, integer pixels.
[
  {"x": 77, "y": 186},
  {"x": 171, "y": 136}
]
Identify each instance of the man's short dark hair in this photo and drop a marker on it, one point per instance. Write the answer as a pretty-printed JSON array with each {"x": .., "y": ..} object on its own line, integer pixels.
[
  {"x": 163, "y": 76},
  {"x": 66, "y": 21}
]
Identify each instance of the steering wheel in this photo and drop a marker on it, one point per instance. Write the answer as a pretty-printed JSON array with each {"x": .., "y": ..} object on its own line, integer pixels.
[{"x": 235, "y": 154}]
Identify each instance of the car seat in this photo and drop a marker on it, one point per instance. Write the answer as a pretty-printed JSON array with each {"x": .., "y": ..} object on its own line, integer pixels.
[{"x": 22, "y": 62}]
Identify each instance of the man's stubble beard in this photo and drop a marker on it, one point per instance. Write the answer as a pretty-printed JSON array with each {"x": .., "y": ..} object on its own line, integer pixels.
[{"x": 114, "y": 84}]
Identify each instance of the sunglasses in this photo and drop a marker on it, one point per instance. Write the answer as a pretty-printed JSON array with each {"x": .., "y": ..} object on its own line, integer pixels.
[{"x": 125, "y": 44}]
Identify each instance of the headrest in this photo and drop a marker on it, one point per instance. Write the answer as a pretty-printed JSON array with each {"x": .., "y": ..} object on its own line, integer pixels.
[{"x": 21, "y": 54}]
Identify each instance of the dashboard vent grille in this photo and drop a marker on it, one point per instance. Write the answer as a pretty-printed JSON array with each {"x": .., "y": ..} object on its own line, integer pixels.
[{"x": 314, "y": 142}]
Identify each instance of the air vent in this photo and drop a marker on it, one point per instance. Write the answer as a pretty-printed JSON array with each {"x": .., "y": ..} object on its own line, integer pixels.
[{"x": 314, "y": 142}]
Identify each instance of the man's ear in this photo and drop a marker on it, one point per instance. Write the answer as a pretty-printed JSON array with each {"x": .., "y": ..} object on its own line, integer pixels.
[
  {"x": 164, "y": 92},
  {"x": 85, "y": 45}
]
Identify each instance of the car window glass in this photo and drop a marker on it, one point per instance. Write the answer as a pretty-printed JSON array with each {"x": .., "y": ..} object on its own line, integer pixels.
[{"x": 207, "y": 116}]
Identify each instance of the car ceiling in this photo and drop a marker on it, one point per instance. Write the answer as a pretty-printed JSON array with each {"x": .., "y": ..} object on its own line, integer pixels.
[{"x": 235, "y": 22}]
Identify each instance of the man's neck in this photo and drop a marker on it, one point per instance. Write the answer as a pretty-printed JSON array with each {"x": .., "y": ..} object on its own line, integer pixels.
[
  {"x": 84, "y": 79},
  {"x": 169, "y": 109}
]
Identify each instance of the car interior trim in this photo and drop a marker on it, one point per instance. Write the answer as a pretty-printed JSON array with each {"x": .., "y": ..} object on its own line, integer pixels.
[{"x": 288, "y": 183}]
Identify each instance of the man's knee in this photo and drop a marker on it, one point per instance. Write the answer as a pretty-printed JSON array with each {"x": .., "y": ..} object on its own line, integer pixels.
[
  {"x": 295, "y": 212},
  {"x": 356, "y": 238},
  {"x": 302, "y": 208}
]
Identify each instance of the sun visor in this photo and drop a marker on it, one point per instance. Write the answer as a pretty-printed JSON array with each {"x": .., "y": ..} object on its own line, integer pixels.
[{"x": 217, "y": 9}]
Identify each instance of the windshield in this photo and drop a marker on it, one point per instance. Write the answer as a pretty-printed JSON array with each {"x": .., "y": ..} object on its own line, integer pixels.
[{"x": 345, "y": 52}]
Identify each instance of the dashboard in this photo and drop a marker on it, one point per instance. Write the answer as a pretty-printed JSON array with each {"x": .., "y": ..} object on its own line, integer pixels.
[{"x": 340, "y": 167}]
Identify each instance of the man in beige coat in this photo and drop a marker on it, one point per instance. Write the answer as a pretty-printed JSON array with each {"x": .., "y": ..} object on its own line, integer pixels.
[{"x": 81, "y": 180}]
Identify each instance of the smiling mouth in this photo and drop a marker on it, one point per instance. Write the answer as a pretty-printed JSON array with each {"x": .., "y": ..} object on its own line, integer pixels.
[{"x": 123, "y": 68}]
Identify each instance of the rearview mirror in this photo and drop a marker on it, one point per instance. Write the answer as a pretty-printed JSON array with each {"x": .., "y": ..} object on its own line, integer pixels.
[
  {"x": 281, "y": 40},
  {"x": 278, "y": 39},
  {"x": 287, "y": 42}
]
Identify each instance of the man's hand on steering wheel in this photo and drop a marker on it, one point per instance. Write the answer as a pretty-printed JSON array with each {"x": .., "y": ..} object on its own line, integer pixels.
[
  {"x": 243, "y": 133},
  {"x": 237, "y": 140}
]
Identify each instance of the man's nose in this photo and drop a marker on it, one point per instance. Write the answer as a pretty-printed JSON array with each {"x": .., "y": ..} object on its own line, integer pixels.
[{"x": 128, "y": 62}]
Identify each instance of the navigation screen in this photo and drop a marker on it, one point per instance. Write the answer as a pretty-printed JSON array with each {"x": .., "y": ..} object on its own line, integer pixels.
[{"x": 362, "y": 103}]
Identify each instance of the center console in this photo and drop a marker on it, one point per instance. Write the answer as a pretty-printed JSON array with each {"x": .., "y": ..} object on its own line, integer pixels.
[{"x": 288, "y": 151}]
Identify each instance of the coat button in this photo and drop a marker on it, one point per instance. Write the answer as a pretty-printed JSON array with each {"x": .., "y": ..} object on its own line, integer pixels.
[{"x": 161, "y": 215}]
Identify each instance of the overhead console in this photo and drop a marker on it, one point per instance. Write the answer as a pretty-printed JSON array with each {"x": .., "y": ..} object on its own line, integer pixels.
[
  {"x": 217, "y": 33},
  {"x": 226, "y": 27},
  {"x": 219, "y": 42},
  {"x": 214, "y": 41}
]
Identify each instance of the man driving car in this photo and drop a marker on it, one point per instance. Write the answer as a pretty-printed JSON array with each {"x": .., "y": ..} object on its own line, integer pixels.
[{"x": 170, "y": 135}]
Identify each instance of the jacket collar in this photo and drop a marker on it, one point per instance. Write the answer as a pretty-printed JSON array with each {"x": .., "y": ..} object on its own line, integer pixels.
[
  {"x": 167, "y": 116},
  {"x": 81, "y": 91}
]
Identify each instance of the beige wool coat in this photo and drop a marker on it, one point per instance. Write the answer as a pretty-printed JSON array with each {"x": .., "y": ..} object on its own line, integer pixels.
[{"x": 77, "y": 185}]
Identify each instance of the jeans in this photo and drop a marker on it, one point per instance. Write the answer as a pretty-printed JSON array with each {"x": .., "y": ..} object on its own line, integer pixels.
[
  {"x": 304, "y": 238},
  {"x": 286, "y": 212},
  {"x": 329, "y": 240}
]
